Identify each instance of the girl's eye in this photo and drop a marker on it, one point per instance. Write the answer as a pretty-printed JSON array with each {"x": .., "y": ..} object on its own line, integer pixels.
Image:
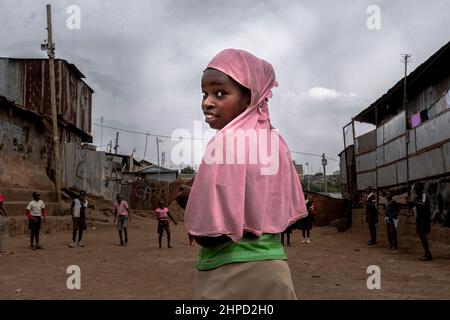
[
  {"x": 220, "y": 94},
  {"x": 203, "y": 95}
]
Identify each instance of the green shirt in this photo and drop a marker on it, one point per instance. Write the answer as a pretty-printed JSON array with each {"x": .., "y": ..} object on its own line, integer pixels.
[{"x": 266, "y": 247}]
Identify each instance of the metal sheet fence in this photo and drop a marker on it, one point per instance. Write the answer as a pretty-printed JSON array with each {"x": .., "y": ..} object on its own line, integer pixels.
[
  {"x": 433, "y": 131},
  {"x": 391, "y": 169},
  {"x": 87, "y": 170},
  {"x": 366, "y": 142}
]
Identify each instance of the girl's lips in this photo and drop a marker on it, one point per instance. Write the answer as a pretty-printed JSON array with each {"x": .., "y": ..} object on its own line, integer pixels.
[{"x": 210, "y": 118}]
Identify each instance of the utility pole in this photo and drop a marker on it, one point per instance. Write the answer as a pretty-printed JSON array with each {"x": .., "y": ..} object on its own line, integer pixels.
[
  {"x": 163, "y": 159},
  {"x": 50, "y": 47},
  {"x": 110, "y": 146},
  {"x": 145, "y": 149},
  {"x": 309, "y": 173},
  {"x": 101, "y": 133},
  {"x": 117, "y": 142},
  {"x": 324, "y": 164},
  {"x": 406, "y": 59},
  {"x": 157, "y": 148}
]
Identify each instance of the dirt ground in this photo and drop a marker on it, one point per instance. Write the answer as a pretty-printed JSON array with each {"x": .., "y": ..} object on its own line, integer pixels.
[{"x": 333, "y": 266}]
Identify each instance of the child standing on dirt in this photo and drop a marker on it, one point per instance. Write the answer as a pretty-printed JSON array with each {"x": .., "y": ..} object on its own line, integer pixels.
[
  {"x": 162, "y": 214},
  {"x": 307, "y": 222},
  {"x": 239, "y": 205},
  {"x": 371, "y": 215},
  {"x": 423, "y": 218},
  {"x": 36, "y": 214},
  {"x": 79, "y": 207},
  {"x": 391, "y": 220},
  {"x": 122, "y": 215}
]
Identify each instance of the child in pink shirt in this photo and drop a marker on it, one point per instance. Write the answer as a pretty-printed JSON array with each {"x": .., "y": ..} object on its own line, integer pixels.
[
  {"x": 162, "y": 214},
  {"x": 122, "y": 214}
]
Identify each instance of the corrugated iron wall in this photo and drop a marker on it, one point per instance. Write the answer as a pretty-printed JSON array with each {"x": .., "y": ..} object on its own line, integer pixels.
[
  {"x": 82, "y": 168},
  {"x": 88, "y": 170},
  {"x": 26, "y": 81},
  {"x": 428, "y": 150}
]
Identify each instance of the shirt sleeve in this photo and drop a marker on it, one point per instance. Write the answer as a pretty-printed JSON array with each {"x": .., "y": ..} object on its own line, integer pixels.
[
  {"x": 125, "y": 205},
  {"x": 29, "y": 206},
  {"x": 424, "y": 197},
  {"x": 42, "y": 204}
]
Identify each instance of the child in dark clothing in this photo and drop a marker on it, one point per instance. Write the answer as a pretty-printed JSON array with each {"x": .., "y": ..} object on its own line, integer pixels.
[
  {"x": 371, "y": 215},
  {"x": 78, "y": 206},
  {"x": 423, "y": 218},
  {"x": 391, "y": 220},
  {"x": 307, "y": 222}
]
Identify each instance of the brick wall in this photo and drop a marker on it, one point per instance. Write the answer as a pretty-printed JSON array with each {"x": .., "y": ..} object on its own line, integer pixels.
[{"x": 327, "y": 208}]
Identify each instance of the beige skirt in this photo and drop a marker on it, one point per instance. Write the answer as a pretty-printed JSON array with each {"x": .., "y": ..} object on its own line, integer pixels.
[{"x": 256, "y": 280}]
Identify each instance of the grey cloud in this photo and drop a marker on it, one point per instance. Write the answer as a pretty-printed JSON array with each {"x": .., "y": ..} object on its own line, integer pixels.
[{"x": 144, "y": 59}]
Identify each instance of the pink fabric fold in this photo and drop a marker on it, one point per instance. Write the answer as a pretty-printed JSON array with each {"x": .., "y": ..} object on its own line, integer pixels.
[{"x": 228, "y": 198}]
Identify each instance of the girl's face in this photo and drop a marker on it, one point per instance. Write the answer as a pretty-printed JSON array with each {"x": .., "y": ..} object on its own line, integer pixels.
[{"x": 223, "y": 98}]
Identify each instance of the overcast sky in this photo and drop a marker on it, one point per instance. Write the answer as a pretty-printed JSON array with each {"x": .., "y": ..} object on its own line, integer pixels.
[{"x": 144, "y": 59}]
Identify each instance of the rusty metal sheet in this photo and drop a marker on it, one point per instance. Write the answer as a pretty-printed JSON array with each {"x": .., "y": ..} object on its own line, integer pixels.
[
  {"x": 395, "y": 150},
  {"x": 35, "y": 78},
  {"x": 387, "y": 176},
  {"x": 82, "y": 106},
  {"x": 395, "y": 127},
  {"x": 365, "y": 179},
  {"x": 366, "y": 142},
  {"x": 433, "y": 131},
  {"x": 430, "y": 163},
  {"x": 365, "y": 162},
  {"x": 26, "y": 81}
]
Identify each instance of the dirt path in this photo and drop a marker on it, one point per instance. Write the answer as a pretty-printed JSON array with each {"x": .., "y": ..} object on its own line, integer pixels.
[{"x": 333, "y": 266}]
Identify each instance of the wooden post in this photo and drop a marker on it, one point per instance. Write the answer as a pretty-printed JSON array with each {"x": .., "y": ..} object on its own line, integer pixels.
[{"x": 51, "y": 67}]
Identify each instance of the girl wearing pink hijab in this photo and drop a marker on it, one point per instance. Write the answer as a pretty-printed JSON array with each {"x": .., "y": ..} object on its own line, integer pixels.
[{"x": 246, "y": 191}]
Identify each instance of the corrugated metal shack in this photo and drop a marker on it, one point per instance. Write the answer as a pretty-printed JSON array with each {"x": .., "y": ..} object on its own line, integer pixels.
[
  {"x": 408, "y": 145},
  {"x": 26, "y": 82},
  {"x": 25, "y": 116}
]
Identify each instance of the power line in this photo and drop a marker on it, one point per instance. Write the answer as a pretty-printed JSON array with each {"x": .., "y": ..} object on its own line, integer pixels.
[
  {"x": 147, "y": 134},
  {"x": 314, "y": 155},
  {"x": 171, "y": 137}
]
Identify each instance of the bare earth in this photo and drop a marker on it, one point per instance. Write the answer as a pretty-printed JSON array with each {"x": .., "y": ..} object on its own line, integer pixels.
[{"x": 333, "y": 266}]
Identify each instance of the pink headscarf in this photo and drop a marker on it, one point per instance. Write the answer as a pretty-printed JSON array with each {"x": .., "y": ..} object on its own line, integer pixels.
[{"x": 228, "y": 199}]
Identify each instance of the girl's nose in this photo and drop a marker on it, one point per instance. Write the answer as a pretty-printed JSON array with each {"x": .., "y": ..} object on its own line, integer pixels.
[{"x": 207, "y": 104}]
